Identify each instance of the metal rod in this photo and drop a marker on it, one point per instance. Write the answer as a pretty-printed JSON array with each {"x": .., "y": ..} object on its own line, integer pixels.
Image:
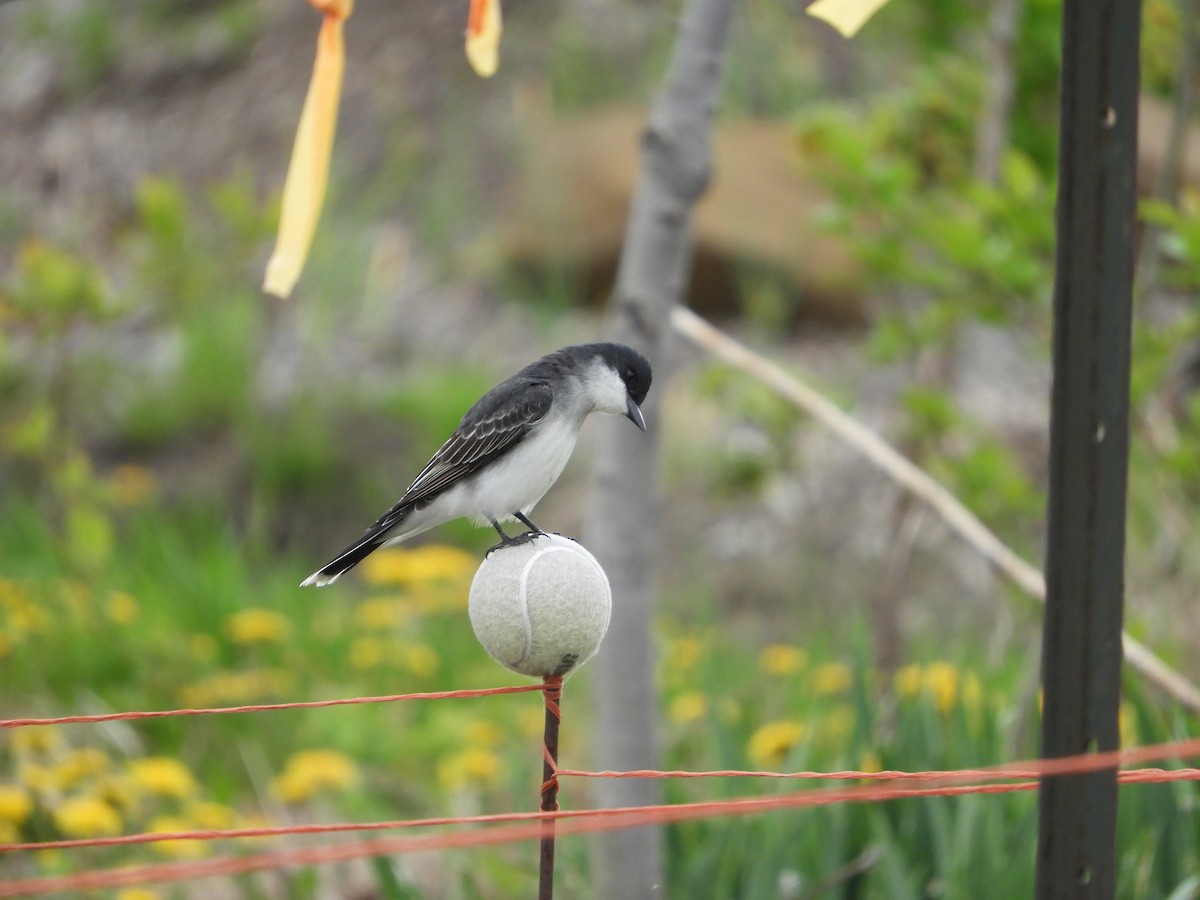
[
  {"x": 552, "y": 694},
  {"x": 1089, "y": 442}
]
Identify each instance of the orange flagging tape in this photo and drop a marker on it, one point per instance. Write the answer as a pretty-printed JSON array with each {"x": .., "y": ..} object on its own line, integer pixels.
[{"x": 269, "y": 707}]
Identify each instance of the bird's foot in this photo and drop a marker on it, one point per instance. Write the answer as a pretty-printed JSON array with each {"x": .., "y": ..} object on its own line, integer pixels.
[{"x": 507, "y": 541}]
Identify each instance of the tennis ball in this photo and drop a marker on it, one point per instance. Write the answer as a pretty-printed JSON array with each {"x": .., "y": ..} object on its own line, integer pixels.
[{"x": 540, "y": 607}]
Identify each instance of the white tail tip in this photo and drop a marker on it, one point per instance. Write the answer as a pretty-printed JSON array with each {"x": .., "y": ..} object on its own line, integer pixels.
[{"x": 316, "y": 579}]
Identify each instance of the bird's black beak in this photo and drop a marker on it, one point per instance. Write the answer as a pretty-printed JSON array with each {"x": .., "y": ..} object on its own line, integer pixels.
[{"x": 634, "y": 414}]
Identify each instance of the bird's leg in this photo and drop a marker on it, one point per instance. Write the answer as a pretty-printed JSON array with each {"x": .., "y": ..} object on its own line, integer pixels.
[
  {"x": 525, "y": 521},
  {"x": 506, "y": 541}
]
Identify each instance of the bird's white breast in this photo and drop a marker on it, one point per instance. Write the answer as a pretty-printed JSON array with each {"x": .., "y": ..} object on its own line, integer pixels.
[{"x": 522, "y": 476}]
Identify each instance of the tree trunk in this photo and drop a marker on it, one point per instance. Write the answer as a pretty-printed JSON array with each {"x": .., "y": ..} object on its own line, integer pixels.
[
  {"x": 622, "y": 522},
  {"x": 991, "y": 140}
]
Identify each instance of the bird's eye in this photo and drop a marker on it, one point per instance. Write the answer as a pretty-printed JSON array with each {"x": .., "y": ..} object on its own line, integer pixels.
[{"x": 629, "y": 375}]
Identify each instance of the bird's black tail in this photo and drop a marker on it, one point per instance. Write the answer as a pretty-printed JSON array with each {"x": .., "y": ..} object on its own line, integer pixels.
[{"x": 372, "y": 539}]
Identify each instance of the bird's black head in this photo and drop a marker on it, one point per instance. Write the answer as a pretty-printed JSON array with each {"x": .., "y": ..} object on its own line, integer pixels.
[{"x": 633, "y": 368}]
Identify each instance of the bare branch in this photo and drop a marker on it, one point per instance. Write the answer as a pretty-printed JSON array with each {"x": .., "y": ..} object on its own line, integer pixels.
[{"x": 1027, "y": 577}]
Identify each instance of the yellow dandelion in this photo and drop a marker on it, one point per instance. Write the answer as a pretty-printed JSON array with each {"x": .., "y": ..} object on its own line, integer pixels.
[
  {"x": 418, "y": 565},
  {"x": 16, "y": 804},
  {"x": 132, "y": 485},
  {"x": 257, "y": 626},
  {"x": 199, "y": 695},
  {"x": 78, "y": 766},
  {"x": 908, "y": 681},
  {"x": 366, "y": 653},
  {"x": 177, "y": 848},
  {"x": 163, "y": 776},
  {"x": 309, "y": 772},
  {"x": 782, "y": 660},
  {"x": 420, "y": 659},
  {"x": 38, "y": 778},
  {"x": 85, "y": 817},
  {"x": 832, "y": 678},
  {"x": 120, "y": 608},
  {"x": 473, "y": 766},
  {"x": 440, "y": 597},
  {"x": 136, "y": 894},
  {"x": 26, "y": 620},
  {"x": 117, "y": 789},
  {"x": 13, "y": 594},
  {"x": 683, "y": 653},
  {"x": 1127, "y": 725},
  {"x": 941, "y": 683},
  {"x": 771, "y": 743},
  {"x": 236, "y": 687},
  {"x": 378, "y": 614},
  {"x": 972, "y": 692},
  {"x": 531, "y": 721},
  {"x": 483, "y": 733},
  {"x": 207, "y": 814},
  {"x": 870, "y": 761},
  {"x": 688, "y": 707},
  {"x": 36, "y": 740},
  {"x": 290, "y": 787}
]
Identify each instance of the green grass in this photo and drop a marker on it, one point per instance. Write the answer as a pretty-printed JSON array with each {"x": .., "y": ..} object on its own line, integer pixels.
[{"x": 727, "y": 704}]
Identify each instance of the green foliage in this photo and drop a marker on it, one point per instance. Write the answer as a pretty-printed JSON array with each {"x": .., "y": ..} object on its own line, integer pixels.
[
  {"x": 1180, "y": 241},
  {"x": 52, "y": 295},
  {"x": 434, "y": 401},
  {"x": 195, "y": 278},
  {"x": 186, "y": 614},
  {"x": 757, "y": 445},
  {"x": 92, "y": 35},
  {"x": 583, "y": 73},
  {"x": 797, "y": 711},
  {"x": 52, "y": 288},
  {"x": 89, "y": 40},
  {"x": 1162, "y": 39}
]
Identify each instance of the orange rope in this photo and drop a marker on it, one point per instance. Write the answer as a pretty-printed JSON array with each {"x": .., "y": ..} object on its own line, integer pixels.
[
  {"x": 270, "y": 707},
  {"x": 516, "y": 827},
  {"x": 1129, "y": 776},
  {"x": 506, "y": 827}
]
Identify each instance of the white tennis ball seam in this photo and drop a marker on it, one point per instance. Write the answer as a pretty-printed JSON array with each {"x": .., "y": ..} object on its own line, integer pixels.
[{"x": 523, "y": 592}]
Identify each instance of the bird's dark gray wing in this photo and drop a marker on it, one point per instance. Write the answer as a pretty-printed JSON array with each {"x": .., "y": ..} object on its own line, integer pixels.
[{"x": 492, "y": 427}]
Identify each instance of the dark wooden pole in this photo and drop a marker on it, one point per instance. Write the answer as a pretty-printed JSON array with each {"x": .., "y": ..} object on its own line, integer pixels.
[
  {"x": 1089, "y": 442},
  {"x": 552, "y": 694}
]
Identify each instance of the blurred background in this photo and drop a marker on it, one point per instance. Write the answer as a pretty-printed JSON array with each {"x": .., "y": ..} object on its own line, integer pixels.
[{"x": 178, "y": 451}]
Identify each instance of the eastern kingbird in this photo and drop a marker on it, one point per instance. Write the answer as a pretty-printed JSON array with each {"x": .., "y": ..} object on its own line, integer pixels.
[{"x": 510, "y": 447}]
